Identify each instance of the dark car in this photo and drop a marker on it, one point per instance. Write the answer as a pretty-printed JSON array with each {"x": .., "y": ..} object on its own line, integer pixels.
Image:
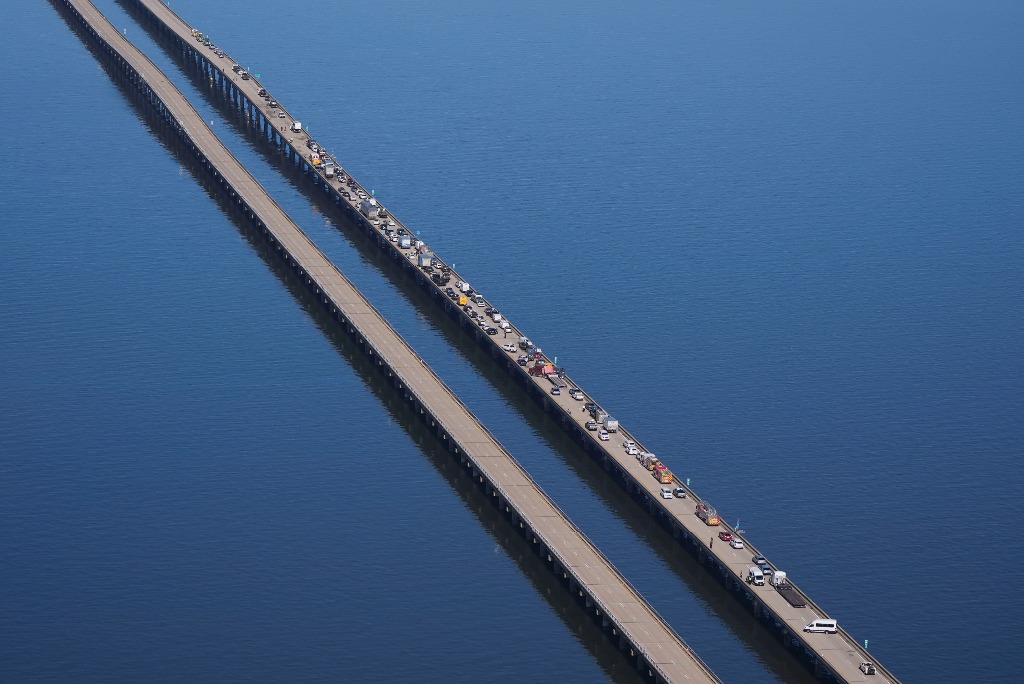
[
  {"x": 762, "y": 563},
  {"x": 725, "y": 536},
  {"x": 492, "y": 331},
  {"x": 679, "y": 493},
  {"x": 591, "y": 425}
]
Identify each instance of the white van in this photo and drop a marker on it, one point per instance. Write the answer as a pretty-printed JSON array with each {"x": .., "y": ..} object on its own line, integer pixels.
[
  {"x": 755, "y": 576},
  {"x": 822, "y": 626},
  {"x": 296, "y": 127}
]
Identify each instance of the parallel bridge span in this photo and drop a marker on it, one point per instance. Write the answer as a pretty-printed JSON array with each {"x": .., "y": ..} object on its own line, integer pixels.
[
  {"x": 625, "y": 616},
  {"x": 831, "y": 658}
]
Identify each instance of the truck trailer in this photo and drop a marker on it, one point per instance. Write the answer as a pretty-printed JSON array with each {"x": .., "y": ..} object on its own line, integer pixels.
[{"x": 788, "y": 591}]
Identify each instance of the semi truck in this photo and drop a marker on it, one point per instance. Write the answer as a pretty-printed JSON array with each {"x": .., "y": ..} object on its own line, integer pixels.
[
  {"x": 788, "y": 591},
  {"x": 541, "y": 368}
]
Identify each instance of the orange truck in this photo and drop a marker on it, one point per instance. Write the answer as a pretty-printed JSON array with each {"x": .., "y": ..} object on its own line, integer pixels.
[{"x": 708, "y": 514}]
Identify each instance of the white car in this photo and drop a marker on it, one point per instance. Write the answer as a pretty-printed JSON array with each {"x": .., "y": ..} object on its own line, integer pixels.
[
  {"x": 510, "y": 348},
  {"x": 603, "y": 435},
  {"x": 632, "y": 451},
  {"x": 628, "y": 444},
  {"x": 666, "y": 493},
  {"x": 736, "y": 543}
]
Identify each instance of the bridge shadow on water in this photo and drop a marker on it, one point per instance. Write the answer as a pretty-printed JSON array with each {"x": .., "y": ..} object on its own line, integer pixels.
[
  {"x": 708, "y": 591},
  {"x": 581, "y": 624}
]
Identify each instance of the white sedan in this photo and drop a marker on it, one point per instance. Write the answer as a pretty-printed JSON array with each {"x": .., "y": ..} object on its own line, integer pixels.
[
  {"x": 736, "y": 543},
  {"x": 603, "y": 435}
]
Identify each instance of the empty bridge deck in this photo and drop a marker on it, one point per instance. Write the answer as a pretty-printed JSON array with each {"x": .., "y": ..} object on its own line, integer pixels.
[{"x": 665, "y": 652}]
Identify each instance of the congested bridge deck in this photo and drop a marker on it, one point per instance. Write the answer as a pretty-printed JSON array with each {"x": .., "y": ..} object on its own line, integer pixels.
[
  {"x": 639, "y": 630},
  {"x": 836, "y": 656}
]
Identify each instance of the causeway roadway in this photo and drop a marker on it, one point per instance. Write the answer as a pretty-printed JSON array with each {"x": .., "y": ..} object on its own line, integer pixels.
[
  {"x": 833, "y": 656},
  {"x": 657, "y": 649}
]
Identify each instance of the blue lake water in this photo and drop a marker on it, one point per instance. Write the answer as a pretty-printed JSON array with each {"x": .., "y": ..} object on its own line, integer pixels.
[{"x": 782, "y": 243}]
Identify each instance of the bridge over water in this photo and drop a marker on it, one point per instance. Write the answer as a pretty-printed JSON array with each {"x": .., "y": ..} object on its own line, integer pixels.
[
  {"x": 831, "y": 657},
  {"x": 625, "y": 616}
]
